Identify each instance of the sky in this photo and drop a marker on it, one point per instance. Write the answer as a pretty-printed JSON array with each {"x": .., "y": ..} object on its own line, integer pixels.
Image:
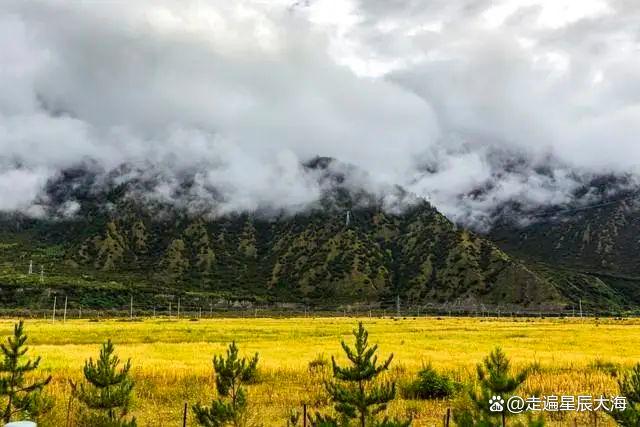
[{"x": 470, "y": 104}]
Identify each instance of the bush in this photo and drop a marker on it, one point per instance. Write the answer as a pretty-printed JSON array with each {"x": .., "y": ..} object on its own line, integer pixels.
[
  {"x": 605, "y": 366},
  {"x": 319, "y": 363},
  {"x": 430, "y": 385}
]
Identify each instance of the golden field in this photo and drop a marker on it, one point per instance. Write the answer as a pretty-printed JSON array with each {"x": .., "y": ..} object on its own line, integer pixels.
[{"x": 172, "y": 359}]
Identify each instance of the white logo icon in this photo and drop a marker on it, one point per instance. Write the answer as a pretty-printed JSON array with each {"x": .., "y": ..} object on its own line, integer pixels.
[{"x": 496, "y": 404}]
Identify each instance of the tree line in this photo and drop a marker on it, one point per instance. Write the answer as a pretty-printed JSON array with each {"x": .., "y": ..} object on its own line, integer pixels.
[{"x": 358, "y": 391}]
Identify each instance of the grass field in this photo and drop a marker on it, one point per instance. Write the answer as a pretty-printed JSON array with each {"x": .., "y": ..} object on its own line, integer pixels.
[{"x": 172, "y": 359}]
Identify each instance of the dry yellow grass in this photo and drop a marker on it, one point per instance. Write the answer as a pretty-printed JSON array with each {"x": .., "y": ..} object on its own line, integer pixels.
[{"x": 172, "y": 359}]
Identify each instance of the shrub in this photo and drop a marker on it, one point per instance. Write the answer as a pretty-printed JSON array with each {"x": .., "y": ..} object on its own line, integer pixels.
[
  {"x": 430, "y": 385},
  {"x": 605, "y": 366},
  {"x": 319, "y": 363}
]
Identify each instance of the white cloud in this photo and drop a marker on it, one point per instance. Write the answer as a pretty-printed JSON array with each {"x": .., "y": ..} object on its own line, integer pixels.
[{"x": 241, "y": 93}]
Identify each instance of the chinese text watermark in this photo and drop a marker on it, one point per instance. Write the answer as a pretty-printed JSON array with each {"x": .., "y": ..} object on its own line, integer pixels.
[{"x": 555, "y": 403}]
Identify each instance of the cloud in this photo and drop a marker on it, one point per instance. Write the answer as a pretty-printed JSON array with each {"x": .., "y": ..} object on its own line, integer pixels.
[{"x": 439, "y": 97}]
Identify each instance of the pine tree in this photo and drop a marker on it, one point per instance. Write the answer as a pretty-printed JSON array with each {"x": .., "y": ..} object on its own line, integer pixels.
[
  {"x": 18, "y": 395},
  {"x": 495, "y": 379},
  {"x": 629, "y": 386},
  {"x": 108, "y": 391},
  {"x": 354, "y": 391},
  {"x": 231, "y": 405}
]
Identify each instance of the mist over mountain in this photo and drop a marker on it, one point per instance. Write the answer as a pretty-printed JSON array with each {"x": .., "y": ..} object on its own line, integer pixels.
[
  {"x": 347, "y": 248},
  {"x": 474, "y": 106}
]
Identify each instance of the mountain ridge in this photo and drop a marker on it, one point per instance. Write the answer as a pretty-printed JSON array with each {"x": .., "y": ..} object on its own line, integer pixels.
[{"x": 347, "y": 248}]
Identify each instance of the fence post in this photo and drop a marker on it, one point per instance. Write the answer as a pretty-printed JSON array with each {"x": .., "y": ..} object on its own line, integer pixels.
[
  {"x": 304, "y": 415},
  {"x": 184, "y": 416},
  {"x": 447, "y": 417}
]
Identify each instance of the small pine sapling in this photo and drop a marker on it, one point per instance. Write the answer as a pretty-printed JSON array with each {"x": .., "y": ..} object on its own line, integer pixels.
[
  {"x": 355, "y": 391},
  {"x": 496, "y": 381},
  {"x": 107, "y": 392},
  {"x": 230, "y": 375},
  {"x": 19, "y": 396},
  {"x": 629, "y": 386}
]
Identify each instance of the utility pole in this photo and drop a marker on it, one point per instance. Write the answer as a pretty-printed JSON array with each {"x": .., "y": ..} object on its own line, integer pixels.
[
  {"x": 64, "y": 316},
  {"x": 30, "y": 267},
  {"x": 53, "y": 318},
  {"x": 398, "y": 305},
  {"x": 42, "y": 274},
  {"x": 131, "y": 308},
  {"x": 169, "y": 310},
  {"x": 580, "y": 307},
  {"x": 348, "y": 218},
  {"x": 178, "y": 308}
]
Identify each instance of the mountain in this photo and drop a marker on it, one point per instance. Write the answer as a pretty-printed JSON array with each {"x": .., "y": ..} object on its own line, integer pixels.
[
  {"x": 101, "y": 239},
  {"x": 596, "y": 244},
  {"x": 348, "y": 248}
]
